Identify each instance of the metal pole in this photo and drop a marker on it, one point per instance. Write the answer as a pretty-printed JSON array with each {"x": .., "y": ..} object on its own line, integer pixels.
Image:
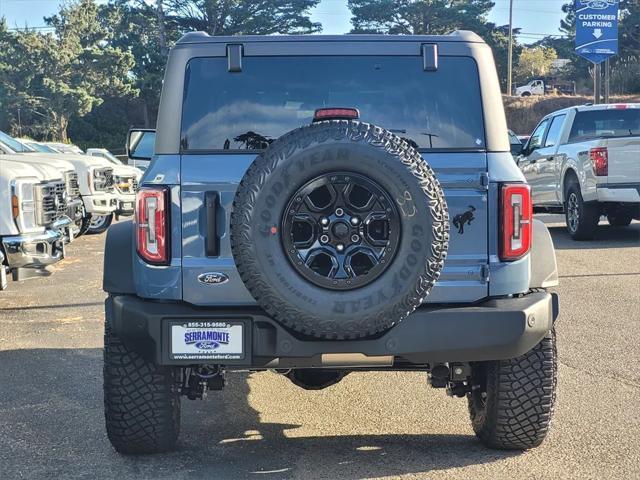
[
  {"x": 510, "y": 55},
  {"x": 596, "y": 83},
  {"x": 606, "y": 81}
]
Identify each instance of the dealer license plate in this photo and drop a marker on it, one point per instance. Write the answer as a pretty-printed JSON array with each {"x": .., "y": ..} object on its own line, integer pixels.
[
  {"x": 206, "y": 341},
  {"x": 127, "y": 206}
]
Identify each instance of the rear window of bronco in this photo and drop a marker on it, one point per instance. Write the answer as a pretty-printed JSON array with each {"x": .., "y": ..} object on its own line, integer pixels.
[{"x": 273, "y": 95}]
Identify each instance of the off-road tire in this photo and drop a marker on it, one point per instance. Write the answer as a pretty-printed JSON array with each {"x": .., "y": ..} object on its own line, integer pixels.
[
  {"x": 588, "y": 214},
  {"x": 293, "y": 160},
  {"x": 141, "y": 401},
  {"x": 520, "y": 397},
  {"x": 620, "y": 218},
  {"x": 102, "y": 228}
]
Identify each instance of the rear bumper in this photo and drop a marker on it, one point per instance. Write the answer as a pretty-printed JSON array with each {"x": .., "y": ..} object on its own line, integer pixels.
[
  {"x": 494, "y": 330},
  {"x": 621, "y": 192}
]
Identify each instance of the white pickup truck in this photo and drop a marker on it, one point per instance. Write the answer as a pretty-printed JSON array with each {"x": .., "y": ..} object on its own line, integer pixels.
[
  {"x": 585, "y": 162},
  {"x": 32, "y": 219},
  {"x": 94, "y": 180},
  {"x": 126, "y": 180}
]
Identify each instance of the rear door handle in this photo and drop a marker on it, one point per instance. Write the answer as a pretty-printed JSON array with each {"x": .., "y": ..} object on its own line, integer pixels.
[{"x": 212, "y": 241}]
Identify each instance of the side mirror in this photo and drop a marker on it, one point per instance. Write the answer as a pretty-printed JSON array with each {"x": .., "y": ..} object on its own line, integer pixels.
[
  {"x": 516, "y": 149},
  {"x": 140, "y": 144}
]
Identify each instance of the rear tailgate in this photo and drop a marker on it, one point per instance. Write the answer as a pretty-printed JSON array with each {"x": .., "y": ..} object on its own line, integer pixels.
[
  {"x": 227, "y": 114},
  {"x": 624, "y": 160},
  {"x": 463, "y": 176}
]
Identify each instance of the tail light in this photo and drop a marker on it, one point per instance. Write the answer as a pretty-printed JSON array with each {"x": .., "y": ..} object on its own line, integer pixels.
[
  {"x": 516, "y": 219},
  {"x": 336, "y": 114},
  {"x": 152, "y": 224},
  {"x": 599, "y": 161}
]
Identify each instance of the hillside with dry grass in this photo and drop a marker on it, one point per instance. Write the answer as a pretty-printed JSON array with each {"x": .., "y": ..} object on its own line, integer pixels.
[{"x": 524, "y": 113}]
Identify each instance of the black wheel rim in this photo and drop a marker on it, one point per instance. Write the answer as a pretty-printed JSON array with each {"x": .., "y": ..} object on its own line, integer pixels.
[{"x": 341, "y": 231}]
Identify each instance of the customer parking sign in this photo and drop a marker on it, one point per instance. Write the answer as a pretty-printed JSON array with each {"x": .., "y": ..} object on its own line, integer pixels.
[{"x": 596, "y": 29}]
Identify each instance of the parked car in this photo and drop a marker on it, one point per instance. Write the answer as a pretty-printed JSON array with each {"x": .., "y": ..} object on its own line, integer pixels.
[
  {"x": 65, "y": 148},
  {"x": 37, "y": 146},
  {"x": 545, "y": 86},
  {"x": 12, "y": 149},
  {"x": 95, "y": 180},
  {"x": 32, "y": 219},
  {"x": 274, "y": 232},
  {"x": 126, "y": 180},
  {"x": 104, "y": 153},
  {"x": 585, "y": 162}
]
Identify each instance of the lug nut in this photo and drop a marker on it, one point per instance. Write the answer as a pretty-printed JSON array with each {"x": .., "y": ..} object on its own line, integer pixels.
[
  {"x": 340, "y": 247},
  {"x": 355, "y": 220},
  {"x": 355, "y": 238},
  {"x": 324, "y": 239},
  {"x": 324, "y": 221},
  {"x": 339, "y": 212}
]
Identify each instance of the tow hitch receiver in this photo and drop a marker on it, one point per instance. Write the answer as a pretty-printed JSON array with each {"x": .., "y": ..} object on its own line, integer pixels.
[
  {"x": 454, "y": 377},
  {"x": 197, "y": 380}
]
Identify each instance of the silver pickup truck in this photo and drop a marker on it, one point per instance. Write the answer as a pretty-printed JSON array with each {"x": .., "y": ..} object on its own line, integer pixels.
[{"x": 585, "y": 162}]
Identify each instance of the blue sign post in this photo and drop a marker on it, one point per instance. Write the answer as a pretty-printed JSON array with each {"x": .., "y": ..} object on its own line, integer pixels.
[{"x": 596, "y": 29}]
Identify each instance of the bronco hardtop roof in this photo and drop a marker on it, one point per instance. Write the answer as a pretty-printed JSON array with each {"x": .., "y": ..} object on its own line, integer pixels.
[
  {"x": 457, "y": 36},
  {"x": 460, "y": 43}
]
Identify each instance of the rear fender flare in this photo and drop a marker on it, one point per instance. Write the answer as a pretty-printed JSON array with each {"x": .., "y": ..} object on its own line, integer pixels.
[
  {"x": 118, "y": 259},
  {"x": 544, "y": 268}
]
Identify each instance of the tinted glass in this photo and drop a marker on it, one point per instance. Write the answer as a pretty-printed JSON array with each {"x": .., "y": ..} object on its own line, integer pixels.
[
  {"x": 536, "y": 137},
  {"x": 142, "y": 145},
  {"x": 12, "y": 143},
  {"x": 612, "y": 122},
  {"x": 42, "y": 148},
  {"x": 554, "y": 131},
  {"x": 273, "y": 95}
]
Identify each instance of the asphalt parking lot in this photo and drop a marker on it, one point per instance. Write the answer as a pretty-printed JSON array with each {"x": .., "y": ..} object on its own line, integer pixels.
[{"x": 371, "y": 425}]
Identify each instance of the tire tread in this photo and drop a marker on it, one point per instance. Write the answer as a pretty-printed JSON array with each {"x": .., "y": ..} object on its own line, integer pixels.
[
  {"x": 521, "y": 399},
  {"x": 141, "y": 402}
]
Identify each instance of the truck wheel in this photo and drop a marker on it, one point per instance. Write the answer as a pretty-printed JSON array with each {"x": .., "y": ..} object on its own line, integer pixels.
[
  {"x": 581, "y": 218},
  {"x": 83, "y": 224},
  {"x": 339, "y": 229},
  {"x": 619, "y": 218},
  {"x": 512, "y": 401},
  {"x": 99, "y": 224},
  {"x": 141, "y": 400}
]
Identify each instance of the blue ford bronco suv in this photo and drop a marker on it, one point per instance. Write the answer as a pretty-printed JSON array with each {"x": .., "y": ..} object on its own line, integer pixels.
[{"x": 322, "y": 205}]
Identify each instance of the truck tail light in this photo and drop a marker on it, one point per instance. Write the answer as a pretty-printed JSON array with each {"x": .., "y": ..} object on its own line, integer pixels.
[
  {"x": 152, "y": 224},
  {"x": 599, "y": 161},
  {"x": 516, "y": 216}
]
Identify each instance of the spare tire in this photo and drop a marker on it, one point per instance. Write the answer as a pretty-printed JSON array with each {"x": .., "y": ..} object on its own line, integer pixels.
[{"x": 339, "y": 229}]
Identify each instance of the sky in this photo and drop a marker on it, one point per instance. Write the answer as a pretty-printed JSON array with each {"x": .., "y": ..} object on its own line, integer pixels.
[{"x": 536, "y": 18}]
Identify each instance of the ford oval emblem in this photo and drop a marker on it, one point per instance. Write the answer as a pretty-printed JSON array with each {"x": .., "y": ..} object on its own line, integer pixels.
[{"x": 212, "y": 278}]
